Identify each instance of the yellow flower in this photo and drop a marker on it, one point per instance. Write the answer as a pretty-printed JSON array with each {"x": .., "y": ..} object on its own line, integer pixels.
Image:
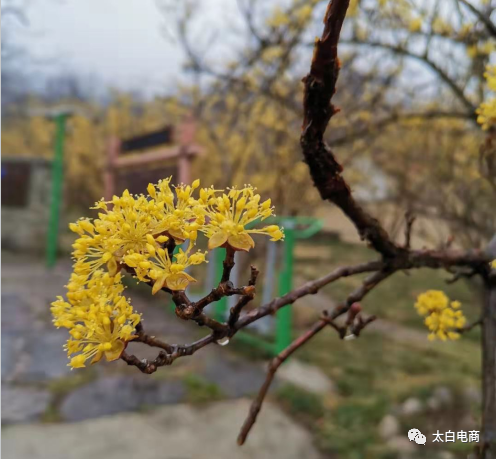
[
  {"x": 279, "y": 18},
  {"x": 180, "y": 218},
  {"x": 442, "y": 317},
  {"x": 91, "y": 253},
  {"x": 158, "y": 267},
  {"x": 100, "y": 320},
  {"x": 441, "y": 27},
  {"x": 229, "y": 214},
  {"x": 487, "y": 110},
  {"x": 415, "y": 25},
  {"x": 135, "y": 230},
  {"x": 493, "y": 264},
  {"x": 130, "y": 222}
]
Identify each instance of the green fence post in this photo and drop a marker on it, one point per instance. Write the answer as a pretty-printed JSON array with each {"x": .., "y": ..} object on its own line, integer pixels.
[
  {"x": 220, "y": 306},
  {"x": 284, "y": 315},
  {"x": 56, "y": 198}
]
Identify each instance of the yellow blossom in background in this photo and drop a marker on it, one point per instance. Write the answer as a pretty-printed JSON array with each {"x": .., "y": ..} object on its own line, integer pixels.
[
  {"x": 493, "y": 264},
  {"x": 279, "y": 18},
  {"x": 228, "y": 216},
  {"x": 442, "y": 317},
  {"x": 487, "y": 110},
  {"x": 353, "y": 8},
  {"x": 415, "y": 25},
  {"x": 441, "y": 27}
]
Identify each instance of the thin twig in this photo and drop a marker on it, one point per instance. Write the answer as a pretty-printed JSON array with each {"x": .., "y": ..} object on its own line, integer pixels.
[
  {"x": 163, "y": 359},
  {"x": 228, "y": 264},
  {"x": 469, "y": 326},
  {"x": 457, "y": 275},
  {"x": 152, "y": 341},
  {"x": 244, "y": 300},
  {"x": 410, "y": 219},
  {"x": 327, "y": 319},
  {"x": 415, "y": 259},
  {"x": 273, "y": 366},
  {"x": 360, "y": 324}
]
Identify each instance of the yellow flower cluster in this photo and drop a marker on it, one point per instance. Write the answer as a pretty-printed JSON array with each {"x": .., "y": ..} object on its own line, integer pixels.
[
  {"x": 140, "y": 233},
  {"x": 487, "y": 110},
  {"x": 442, "y": 317},
  {"x": 157, "y": 266},
  {"x": 229, "y": 214},
  {"x": 100, "y": 320}
]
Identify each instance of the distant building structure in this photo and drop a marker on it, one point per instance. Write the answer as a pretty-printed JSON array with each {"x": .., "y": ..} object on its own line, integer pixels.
[
  {"x": 135, "y": 162},
  {"x": 131, "y": 164},
  {"x": 26, "y": 185}
]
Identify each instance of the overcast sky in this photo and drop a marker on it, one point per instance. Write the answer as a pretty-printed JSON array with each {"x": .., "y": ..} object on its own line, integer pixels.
[{"x": 119, "y": 41}]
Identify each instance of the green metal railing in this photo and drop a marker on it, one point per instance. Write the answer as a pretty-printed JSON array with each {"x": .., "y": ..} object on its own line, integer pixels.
[
  {"x": 56, "y": 195},
  {"x": 295, "y": 228}
]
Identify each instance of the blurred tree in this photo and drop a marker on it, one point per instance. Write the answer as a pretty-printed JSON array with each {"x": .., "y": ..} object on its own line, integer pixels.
[
  {"x": 443, "y": 47},
  {"x": 87, "y": 135},
  {"x": 249, "y": 112}
]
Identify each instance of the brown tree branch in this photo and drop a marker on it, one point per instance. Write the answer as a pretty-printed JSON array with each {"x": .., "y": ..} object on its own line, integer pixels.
[
  {"x": 381, "y": 270},
  {"x": 152, "y": 341},
  {"x": 320, "y": 86},
  {"x": 187, "y": 310},
  {"x": 148, "y": 367},
  {"x": 273, "y": 366},
  {"x": 308, "y": 288},
  {"x": 361, "y": 323},
  {"x": 410, "y": 220},
  {"x": 327, "y": 319},
  {"x": 469, "y": 326},
  {"x": 488, "y": 325},
  {"x": 244, "y": 300},
  {"x": 228, "y": 264},
  {"x": 484, "y": 18},
  {"x": 225, "y": 287},
  {"x": 397, "y": 49}
]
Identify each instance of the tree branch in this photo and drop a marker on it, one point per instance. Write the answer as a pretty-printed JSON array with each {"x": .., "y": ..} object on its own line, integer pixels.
[
  {"x": 327, "y": 319},
  {"x": 485, "y": 19},
  {"x": 244, "y": 300},
  {"x": 320, "y": 86},
  {"x": 273, "y": 367},
  {"x": 457, "y": 90}
]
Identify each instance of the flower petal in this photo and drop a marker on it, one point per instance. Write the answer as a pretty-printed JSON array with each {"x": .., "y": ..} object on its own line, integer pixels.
[
  {"x": 241, "y": 241},
  {"x": 179, "y": 281},
  {"x": 118, "y": 347},
  {"x": 159, "y": 283},
  {"x": 97, "y": 358},
  {"x": 112, "y": 267},
  {"x": 177, "y": 235},
  {"x": 219, "y": 238}
]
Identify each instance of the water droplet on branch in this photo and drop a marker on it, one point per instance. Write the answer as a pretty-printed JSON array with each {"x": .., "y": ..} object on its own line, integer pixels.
[{"x": 223, "y": 341}]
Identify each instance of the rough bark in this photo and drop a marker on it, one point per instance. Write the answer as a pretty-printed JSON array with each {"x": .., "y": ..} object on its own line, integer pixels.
[{"x": 488, "y": 434}]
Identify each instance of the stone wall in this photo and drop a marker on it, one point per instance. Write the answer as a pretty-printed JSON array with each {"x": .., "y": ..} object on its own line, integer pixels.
[{"x": 24, "y": 228}]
